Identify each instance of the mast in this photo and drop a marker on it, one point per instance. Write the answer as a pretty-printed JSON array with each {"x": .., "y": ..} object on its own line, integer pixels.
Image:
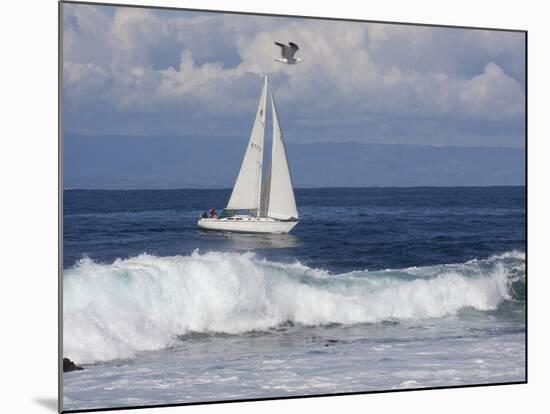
[{"x": 259, "y": 185}]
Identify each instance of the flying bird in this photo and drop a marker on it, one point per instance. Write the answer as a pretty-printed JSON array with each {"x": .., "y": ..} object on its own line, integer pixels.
[{"x": 287, "y": 53}]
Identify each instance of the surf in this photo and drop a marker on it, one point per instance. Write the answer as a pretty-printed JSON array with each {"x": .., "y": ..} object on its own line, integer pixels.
[{"x": 116, "y": 310}]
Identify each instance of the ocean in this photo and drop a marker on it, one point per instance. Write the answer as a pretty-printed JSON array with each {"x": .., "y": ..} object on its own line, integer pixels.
[{"x": 375, "y": 289}]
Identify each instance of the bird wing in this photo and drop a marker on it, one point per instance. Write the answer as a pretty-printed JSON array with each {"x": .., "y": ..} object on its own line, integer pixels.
[
  {"x": 293, "y": 46},
  {"x": 284, "y": 49},
  {"x": 288, "y": 51},
  {"x": 293, "y": 49}
]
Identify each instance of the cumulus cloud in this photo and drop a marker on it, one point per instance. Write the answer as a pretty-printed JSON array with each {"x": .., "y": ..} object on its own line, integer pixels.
[{"x": 196, "y": 73}]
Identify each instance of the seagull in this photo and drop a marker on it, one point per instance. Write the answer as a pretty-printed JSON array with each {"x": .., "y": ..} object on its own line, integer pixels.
[{"x": 288, "y": 52}]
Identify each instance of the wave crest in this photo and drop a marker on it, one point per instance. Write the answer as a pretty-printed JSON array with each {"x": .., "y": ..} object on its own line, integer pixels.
[{"x": 143, "y": 303}]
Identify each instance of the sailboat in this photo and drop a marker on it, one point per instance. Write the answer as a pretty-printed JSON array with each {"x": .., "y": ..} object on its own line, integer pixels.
[{"x": 260, "y": 204}]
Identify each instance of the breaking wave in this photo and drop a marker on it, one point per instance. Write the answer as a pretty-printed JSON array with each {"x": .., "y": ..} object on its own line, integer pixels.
[{"x": 145, "y": 302}]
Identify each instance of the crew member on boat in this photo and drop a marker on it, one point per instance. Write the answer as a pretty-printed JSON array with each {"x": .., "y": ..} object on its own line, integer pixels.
[{"x": 212, "y": 213}]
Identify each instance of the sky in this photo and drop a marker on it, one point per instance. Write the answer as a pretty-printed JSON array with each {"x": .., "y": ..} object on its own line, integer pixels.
[{"x": 133, "y": 71}]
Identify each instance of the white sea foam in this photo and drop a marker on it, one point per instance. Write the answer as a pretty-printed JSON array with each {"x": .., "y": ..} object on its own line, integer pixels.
[
  {"x": 143, "y": 303},
  {"x": 514, "y": 254}
]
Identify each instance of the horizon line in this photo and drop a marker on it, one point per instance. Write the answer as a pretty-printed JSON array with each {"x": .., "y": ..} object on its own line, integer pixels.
[
  {"x": 236, "y": 137},
  {"x": 296, "y": 188}
]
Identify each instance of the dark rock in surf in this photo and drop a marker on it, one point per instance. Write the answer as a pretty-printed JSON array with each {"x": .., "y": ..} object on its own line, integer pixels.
[{"x": 69, "y": 366}]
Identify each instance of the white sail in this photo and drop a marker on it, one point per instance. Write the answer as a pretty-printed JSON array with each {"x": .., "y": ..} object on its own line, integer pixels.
[
  {"x": 282, "y": 204},
  {"x": 247, "y": 190}
]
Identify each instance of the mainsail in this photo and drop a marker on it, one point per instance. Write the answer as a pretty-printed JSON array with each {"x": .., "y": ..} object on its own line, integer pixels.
[
  {"x": 246, "y": 193},
  {"x": 282, "y": 204}
]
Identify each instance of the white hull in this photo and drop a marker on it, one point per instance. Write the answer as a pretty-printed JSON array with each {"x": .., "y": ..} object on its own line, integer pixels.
[{"x": 246, "y": 224}]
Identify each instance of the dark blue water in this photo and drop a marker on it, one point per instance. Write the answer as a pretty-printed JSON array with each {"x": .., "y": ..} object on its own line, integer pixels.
[
  {"x": 152, "y": 329},
  {"x": 341, "y": 229}
]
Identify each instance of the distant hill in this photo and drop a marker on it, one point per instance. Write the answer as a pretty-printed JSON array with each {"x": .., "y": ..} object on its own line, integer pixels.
[{"x": 120, "y": 162}]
